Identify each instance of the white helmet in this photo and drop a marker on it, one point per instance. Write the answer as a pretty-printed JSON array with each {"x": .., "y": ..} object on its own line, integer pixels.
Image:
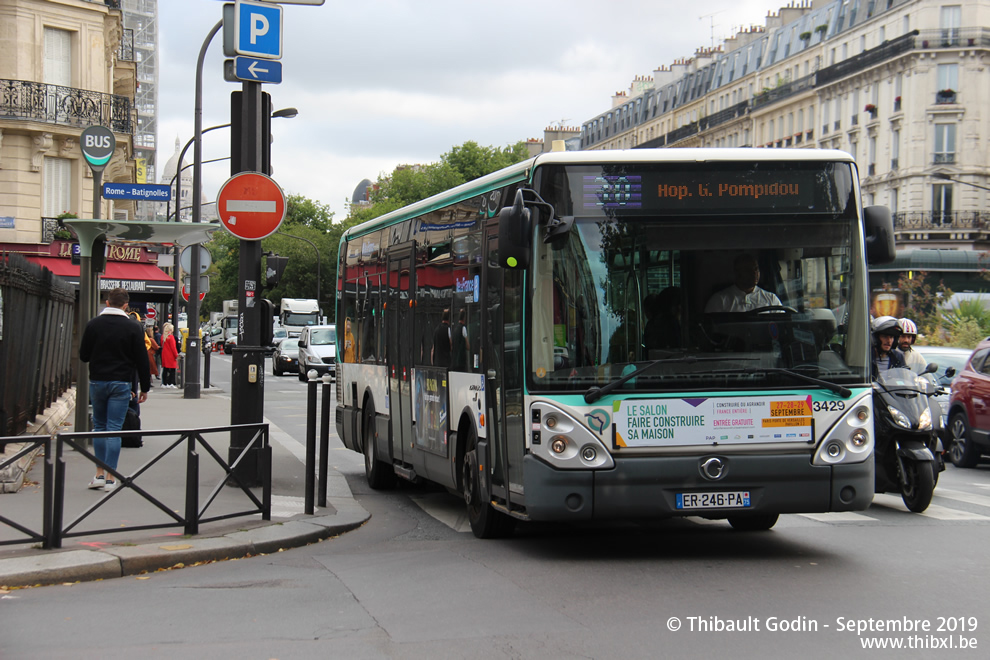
[{"x": 908, "y": 327}]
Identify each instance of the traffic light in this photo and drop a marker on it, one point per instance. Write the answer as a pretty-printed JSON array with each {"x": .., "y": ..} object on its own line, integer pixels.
[
  {"x": 266, "y": 310},
  {"x": 236, "y": 166},
  {"x": 274, "y": 267}
]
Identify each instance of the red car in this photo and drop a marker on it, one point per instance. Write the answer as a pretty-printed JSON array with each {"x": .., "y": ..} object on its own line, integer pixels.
[{"x": 969, "y": 409}]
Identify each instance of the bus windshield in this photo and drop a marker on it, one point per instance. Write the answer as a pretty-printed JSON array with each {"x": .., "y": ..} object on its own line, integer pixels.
[{"x": 718, "y": 276}]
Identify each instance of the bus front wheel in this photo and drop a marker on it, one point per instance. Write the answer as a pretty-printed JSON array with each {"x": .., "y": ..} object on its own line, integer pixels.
[{"x": 486, "y": 522}]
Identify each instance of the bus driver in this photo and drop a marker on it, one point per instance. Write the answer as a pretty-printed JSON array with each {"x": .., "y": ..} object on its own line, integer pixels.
[{"x": 744, "y": 294}]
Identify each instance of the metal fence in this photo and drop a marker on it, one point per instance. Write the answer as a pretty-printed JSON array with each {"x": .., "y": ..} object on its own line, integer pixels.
[
  {"x": 50, "y": 526},
  {"x": 64, "y": 106},
  {"x": 36, "y": 317}
]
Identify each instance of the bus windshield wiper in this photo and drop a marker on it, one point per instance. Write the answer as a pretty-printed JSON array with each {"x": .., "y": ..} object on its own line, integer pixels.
[
  {"x": 594, "y": 393},
  {"x": 844, "y": 392}
]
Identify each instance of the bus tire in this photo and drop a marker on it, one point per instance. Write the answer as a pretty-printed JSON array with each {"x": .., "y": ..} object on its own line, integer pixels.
[
  {"x": 486, "y": 522},
  {"x": 759, "y": 523},
  {"x": 380, "y": 475}
]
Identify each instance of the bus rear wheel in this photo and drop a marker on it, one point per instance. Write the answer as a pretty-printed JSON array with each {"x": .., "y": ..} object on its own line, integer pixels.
[
  {"x": 753, "y": 523},
  {"x": 380, "y": 475},
  {"x": 486, "y": 522}
]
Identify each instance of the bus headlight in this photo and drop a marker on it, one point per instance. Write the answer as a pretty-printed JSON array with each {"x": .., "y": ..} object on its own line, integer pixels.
[
  {"x": 567, "y": 443},
  {"x": 850, "y": 440}
]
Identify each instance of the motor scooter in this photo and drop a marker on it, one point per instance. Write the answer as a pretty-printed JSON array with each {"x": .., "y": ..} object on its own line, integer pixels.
[{"x": 908, "y": 452}]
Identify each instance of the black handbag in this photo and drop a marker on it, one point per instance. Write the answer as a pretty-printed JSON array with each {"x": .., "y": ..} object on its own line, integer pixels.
[{"x": 132, "y": 422}]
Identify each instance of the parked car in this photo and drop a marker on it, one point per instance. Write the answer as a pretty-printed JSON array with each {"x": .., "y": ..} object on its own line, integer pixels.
[
  {"x": 969, "y": 409},
  {"x": 278, "y": 335},
  {"x": 286, "y": 357},
  {"x": 946, "y": 357},
  {"x": 317, "y": 350}
]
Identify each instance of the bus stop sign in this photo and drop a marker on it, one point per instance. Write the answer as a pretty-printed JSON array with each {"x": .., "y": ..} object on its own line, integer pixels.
[{"x": 251, "y": 206}]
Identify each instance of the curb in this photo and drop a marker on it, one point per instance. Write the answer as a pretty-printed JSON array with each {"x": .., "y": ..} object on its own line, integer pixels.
[{"x": 55, "y": 567}]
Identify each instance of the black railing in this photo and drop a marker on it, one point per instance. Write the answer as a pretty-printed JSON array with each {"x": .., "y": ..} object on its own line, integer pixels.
[
  {"x": 914, "y": 220},
  {"x": 194, "y": 511},
  {"x": 954, "y": 38},
  {"x": 35, "y": 341},
  {"x": 783, "y": 91},
  {"x": 31, "y": 444},
  {"x": 944, "y": 158},
  {"x": 866, "y": 59},
  {"x": 65, "y": 106}
]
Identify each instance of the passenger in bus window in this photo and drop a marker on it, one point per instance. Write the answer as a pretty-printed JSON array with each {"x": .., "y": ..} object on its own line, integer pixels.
[
  {"x": 440, "y": 354},
  {"x": 744, "y": 294},
  {"x": 349, "y": 347},
  {"x": 663, "y": 330}
]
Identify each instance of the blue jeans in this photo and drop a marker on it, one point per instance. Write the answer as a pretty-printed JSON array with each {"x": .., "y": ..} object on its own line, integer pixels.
[{"x": 109, "y": 399}]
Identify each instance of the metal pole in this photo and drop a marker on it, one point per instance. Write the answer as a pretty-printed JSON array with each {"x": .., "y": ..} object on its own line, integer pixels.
[
  {"x": 192, "y": 385},
  {"x": 310, "y": 481},
  {"x": 247, "y": 382}
]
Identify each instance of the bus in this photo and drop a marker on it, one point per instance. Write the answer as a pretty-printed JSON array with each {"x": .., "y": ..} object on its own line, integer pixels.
[{"x": 546, "y": 341}]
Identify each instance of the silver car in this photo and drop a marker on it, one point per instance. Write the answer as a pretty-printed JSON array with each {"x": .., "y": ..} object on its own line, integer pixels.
[{"x": 317, "y": 350}]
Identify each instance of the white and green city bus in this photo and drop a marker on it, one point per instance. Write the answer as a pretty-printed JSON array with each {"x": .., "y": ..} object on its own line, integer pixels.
[{"x": 547, "y": 340}]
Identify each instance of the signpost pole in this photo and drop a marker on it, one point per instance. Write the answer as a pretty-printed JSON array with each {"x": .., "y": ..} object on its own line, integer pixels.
[
  {"x": 191, "y": 387},
  {"x": 98, "y": 144},
  {"x": 247, "y": 388}
]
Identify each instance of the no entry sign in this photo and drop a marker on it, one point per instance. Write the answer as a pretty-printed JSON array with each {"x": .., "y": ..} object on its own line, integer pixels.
[{"x": 251, "y": 206}]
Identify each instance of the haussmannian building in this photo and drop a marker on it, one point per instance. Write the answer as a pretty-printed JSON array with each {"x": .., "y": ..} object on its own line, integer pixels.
[
  {"x": 902, "y": 85},
  {"x": 62, "y": 69}
]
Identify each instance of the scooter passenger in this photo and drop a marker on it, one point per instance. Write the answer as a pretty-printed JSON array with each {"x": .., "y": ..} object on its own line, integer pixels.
[{"x": 886, "y": 355}]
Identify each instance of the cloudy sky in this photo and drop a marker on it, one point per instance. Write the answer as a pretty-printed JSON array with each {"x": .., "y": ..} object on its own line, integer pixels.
[{"x": 379, "y": 83}]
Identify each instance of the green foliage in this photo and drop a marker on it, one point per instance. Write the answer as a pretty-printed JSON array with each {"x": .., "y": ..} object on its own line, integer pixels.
[
  {"x": 407, "y": 185},
  {"x": 968, "y": 314},
  {"x": 305, "y": 219},
  {"x": 922, "y": 301},
  {"x": 967, "y": 333}
]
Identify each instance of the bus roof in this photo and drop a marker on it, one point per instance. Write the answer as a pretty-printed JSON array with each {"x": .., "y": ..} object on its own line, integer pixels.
[{"x": 522, "y": 171}]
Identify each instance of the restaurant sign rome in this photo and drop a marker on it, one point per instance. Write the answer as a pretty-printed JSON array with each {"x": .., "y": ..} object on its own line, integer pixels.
[{"x": 114, "y": 252}]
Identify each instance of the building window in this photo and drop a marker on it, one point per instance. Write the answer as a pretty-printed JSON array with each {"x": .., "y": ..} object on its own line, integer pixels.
[
  {"x": 58, "y": 57},
  {"x": 893, "y": 201},
  {"x": 950, "y": 20},
  {"x": 895, "y": 149},
  {"x": 941, "y": 203},
  {"x": 945, "y": 143},
  {"x": 58, "y": 187}
]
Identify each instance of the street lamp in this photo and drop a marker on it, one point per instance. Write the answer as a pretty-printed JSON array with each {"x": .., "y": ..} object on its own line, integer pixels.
[{"x": 945, "y": 177}]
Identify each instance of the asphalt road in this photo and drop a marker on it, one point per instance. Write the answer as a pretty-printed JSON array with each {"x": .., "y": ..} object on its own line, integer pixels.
[{"x": 412, "y": 584}]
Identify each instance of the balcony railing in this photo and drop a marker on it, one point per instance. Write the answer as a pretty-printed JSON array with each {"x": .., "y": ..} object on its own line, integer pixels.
[
  {"x": 933, "y": 220},
  {"x": 954, "y": 37},
  {"x": 64, "y": 106},
  {"x": 783, "y": 91},
  {"x": 944, "y": 158},
  {"x": 867, "y": 58}
]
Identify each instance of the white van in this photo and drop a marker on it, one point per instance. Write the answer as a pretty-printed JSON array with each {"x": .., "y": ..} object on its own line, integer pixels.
[{"x": 318, "y": 350}]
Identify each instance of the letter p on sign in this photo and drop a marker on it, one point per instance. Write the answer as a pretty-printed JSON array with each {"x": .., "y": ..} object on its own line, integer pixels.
[{"x": 259, "y": 27}]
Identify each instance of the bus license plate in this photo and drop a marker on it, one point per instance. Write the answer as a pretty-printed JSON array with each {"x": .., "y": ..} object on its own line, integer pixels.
[{"x": 731, "y": 500}]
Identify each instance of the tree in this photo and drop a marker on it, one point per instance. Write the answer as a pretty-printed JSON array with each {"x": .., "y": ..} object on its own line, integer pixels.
[
  {"x": 304, "y": 218},
  {"x": 409, "y": 184},
  {"x": 922, "y": 302}
]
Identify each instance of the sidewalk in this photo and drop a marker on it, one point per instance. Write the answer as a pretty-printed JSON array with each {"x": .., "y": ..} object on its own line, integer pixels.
[{"x": 129, "y": 552}]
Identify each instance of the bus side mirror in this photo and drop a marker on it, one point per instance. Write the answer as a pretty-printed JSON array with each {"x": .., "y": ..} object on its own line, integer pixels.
[
  {"x": 515, "y": 248},
  {"x": 879, "y": 229}
]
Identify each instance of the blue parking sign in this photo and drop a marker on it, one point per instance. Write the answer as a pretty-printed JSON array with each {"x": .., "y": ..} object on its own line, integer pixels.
[{"x": 259, "y": 29}]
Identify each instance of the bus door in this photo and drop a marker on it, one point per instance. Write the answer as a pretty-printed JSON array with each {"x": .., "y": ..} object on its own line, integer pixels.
[
  {"x": 503, "y": 394},
  {"x": 399, "y": 338}
]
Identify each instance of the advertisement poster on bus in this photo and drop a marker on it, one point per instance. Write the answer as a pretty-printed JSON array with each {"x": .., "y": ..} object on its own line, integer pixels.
[
  {"x": 431, "y": 410},
  {"x": 712, "y": 421}
]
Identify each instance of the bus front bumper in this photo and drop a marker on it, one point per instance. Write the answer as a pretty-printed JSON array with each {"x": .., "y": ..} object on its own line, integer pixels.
[{"x": 647, "y": 487}]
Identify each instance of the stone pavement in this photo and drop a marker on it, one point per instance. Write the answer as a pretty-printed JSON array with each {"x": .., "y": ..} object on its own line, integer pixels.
[{"x": 133, "y": 551}]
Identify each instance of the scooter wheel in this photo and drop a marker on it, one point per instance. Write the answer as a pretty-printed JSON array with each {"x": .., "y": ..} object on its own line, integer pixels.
[{"x": 917, "y": 485}]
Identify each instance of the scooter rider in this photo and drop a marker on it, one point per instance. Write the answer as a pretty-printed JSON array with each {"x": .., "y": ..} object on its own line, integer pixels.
[
  {"x": 909, "y": 334},
  {"x": 886, "y": 355}
]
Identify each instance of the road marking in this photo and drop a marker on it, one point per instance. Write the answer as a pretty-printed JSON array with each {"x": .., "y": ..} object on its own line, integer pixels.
[
  {"x": 445, "y": 508},
  {"x": 839, "y": 517},
  {"x": 934, "y": 511},
  {"x": 962, "y": 496}
]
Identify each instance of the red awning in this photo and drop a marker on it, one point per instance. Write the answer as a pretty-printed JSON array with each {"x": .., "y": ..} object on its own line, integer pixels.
[{"x": 116, "y": 270}]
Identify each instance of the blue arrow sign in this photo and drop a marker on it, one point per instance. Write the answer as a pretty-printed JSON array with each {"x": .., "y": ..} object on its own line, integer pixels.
[
  {"x": 255, "y": 70},
  {"x": 153, "y": 192},
  {"x": 259, "y": 29}
]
